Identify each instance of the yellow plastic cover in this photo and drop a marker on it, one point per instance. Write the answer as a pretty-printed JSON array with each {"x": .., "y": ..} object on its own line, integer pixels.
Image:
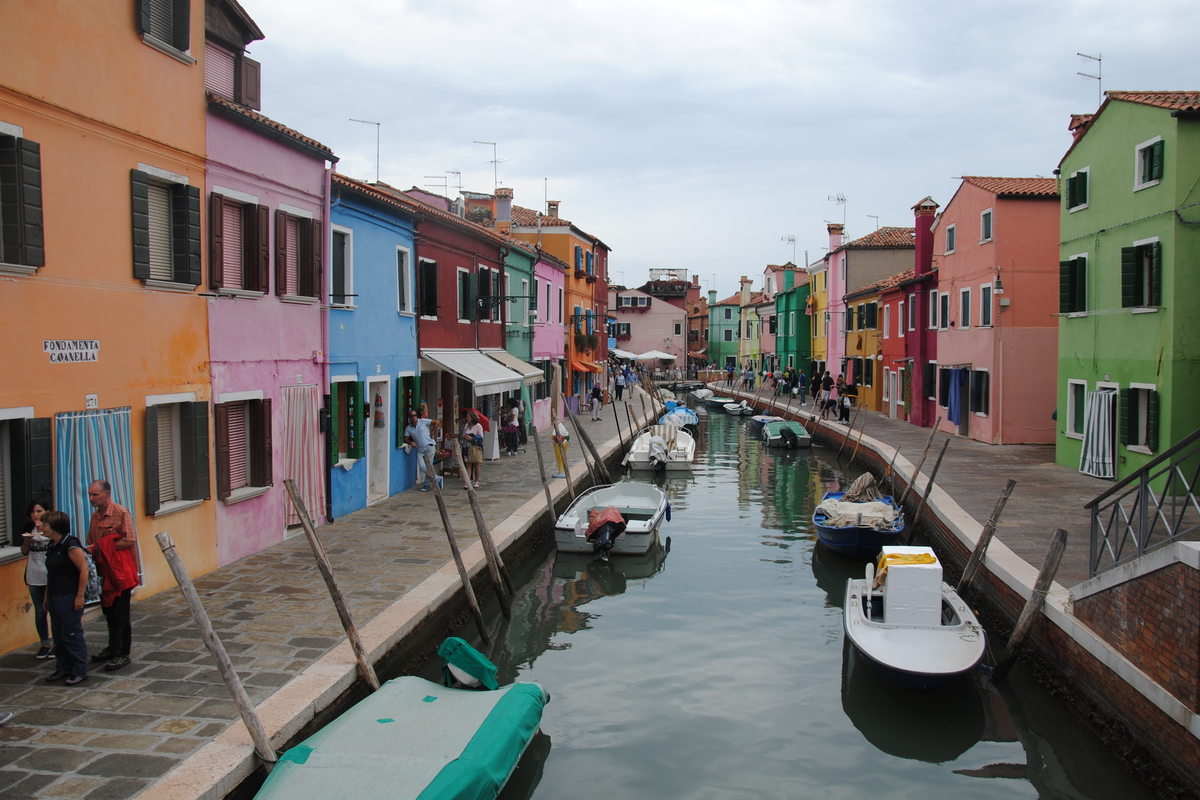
[{"x": 888, "y": 559}]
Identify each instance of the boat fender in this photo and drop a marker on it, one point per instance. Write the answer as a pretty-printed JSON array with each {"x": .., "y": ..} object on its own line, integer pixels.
[{"x": 668, "y": 512}]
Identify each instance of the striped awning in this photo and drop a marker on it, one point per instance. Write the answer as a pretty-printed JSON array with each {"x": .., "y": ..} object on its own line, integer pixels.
[
  {"x": 528, "y": 372},
  {"x": 486, "y": 375}
]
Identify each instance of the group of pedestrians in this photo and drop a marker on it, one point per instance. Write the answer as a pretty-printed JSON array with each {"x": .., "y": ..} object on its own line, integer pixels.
[
  {"x": 836, "y": 397},
  {"x": 63, "y": 574}
]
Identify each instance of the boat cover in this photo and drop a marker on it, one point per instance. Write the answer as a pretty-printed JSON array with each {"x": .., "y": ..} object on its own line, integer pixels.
[
  {"x": 840, "y": 514},
  {"x": 462, "y": 656},
  {"x": 414, "y": 740},
  {"x": 600, "y": 518},
  {"x": 679, "y": 417}
]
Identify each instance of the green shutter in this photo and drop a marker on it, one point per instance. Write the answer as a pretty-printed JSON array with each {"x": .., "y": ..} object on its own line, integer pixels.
[
  {"x": 181, "y": 25},
  {"x": 185, "y": 233},
  {"x": 470, "y": 296},
  {"x": 143, "y": 16},
  {"x": 31, "y": 465},
  {"x": 1156, "y": 280},
  {"x": 1152, "y": 414},
  {"x": 355, "y": 417},
  {"x": 1079, "y": 275},
  {"x": 1127, "y": 416},
  {"x": 193, "y": 446},
  {"x": 1156, "y": 161},
  {"x": 1065, "y": 285},
  {"x": 331, "y": 402},
  {"x": 1129, "y": 286},
  {"x": 150, "y": 467},
  {"x": 1081, "y": 189},
  {"x": 22, "y": 238},
  {"x": 139, "y": 192}
]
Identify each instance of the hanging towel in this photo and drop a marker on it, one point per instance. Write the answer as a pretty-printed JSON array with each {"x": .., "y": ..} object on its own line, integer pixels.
[
  {"x": 1097, "y": 458},
  {"x": 954, "y": 409}
]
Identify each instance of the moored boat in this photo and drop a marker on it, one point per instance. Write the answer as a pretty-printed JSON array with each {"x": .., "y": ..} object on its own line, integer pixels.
[
  {"x": 758, "y": 420},
  {"x": 859, "y": 522},
  {"x": 642, "y": 508},
  {"x": 662, "y": 448},
  {"x": 916, "y": 631},
  {"x": 680, "y": 417},
  {"x": 702, "y": 394},
  {"x": 785, "y": 433},
  {"x": 717, "y": 402},
  {"x": 742, "y": 409}
]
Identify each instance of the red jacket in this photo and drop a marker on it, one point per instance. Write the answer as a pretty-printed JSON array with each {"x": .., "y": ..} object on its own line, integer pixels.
[{"x": 117, "y": 568}]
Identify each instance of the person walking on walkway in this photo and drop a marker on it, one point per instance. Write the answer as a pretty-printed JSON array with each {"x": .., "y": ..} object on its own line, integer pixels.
[
  {"x": 472, "y": 442},
  {"x": 620, "y": 380},
  {"x": 597, "y": 401},
  {"x": 847, "y": 397},
  {"x": 113, "y": 545},
  {"x": 34, "y": 545},
  {"x": 511, "y": 429},
  {"x": 802, "y": 387},
  {"x": 826, "y": 394},
  {"x": 421, "y": 433},
  {"x": 66, "y": 585}
]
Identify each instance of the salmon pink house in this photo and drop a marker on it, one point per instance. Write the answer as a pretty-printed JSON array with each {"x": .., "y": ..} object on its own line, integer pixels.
[
  {"x": 549, "y": 329},
  {"x": 266, "y": 196}
]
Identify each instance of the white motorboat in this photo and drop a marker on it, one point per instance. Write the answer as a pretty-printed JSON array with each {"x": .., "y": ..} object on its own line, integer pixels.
[
  {"x": 702, "y": 394},
  {"x": 642, "y": 508},
  {"x": 662, "y": 448},
  {"x": 914, "y": 630},
  {"x": 742, "y": 409}
]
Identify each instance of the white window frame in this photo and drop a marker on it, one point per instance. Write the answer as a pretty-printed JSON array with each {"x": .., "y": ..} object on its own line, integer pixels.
[
  {"x": 991, "y": 223},
  {"x": 434, "y": 262},
  {"x": 988, "y": 305},
  {"x": 525, "y": 302},
  {"x": 349, "y": 281},
  {"x": 887, "y": 320},
  {"x": 1086, "y": 202},
  {"x": 887, "y": 374},
  {"x": 951, "y": 239},
  {"x": 407, "y": 280},
  {"x": 458, "y": 273},
  {"x": 900, "y": 323},
  {"x": 989, "y": 391},
  {"x": 560, "y": 305},
  {"x": 964, "y": 309},
  {"x": 912, "y": 311},
  {"x": 933, "y": 309},
  {"x": 1138, "y": 185},
  {"x": 1069, "y": 432},
  {"x": 944, "y": 311},
  {"x": 1144, "y": 291},
  {"x": 679, "y": 329},
  {"x": 791, "y": 323},
  {"x": 1143, "y": 412}
]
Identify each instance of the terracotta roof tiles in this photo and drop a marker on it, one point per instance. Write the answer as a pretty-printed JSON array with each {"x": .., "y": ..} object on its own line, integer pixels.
[
  {"x": 230, "y": 107},
  {"x": 884, "y": 237},
  {"x": 528, "y": 218},
  {"x": 1015, "y": 187},
  {"x": 1174, "y": 101}
]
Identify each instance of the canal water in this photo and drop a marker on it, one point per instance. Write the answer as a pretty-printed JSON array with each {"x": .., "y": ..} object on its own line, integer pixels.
[{"x": 718, "y": 668}]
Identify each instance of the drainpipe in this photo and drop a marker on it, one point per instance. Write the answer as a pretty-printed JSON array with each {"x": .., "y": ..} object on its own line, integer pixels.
[{"x": 326, "y": 255}]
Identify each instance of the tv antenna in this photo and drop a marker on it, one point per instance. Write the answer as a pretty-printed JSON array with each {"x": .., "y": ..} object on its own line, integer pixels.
[
  {"x": 377, "y": 127},
  {"x": 495, "y": 162},
  {"x": 457, "y": 178},
  {"x": 435, "y": 178},
  {"x": 876, "y": 218},
  {"x": 1098, "y": 77},
  {"x": 790, "y": 239},
  {"x": 841, "y": 200}
]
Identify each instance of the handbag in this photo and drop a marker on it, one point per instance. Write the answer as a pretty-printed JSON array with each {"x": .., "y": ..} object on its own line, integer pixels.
[
  {"x": 475, "y": 455},
  {"x": 94, "y": 585}
]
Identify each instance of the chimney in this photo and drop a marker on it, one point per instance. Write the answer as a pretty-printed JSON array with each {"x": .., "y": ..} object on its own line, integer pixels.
[
  {"x": 552, "y": 208},
  {"x": 712, "y": 297},
  {"x": 835, "y": 235},
  {"x": 789, "y": 279},
  {"x": 504, "y": 200},
  {"x": 695, "y": 280},
  {"x": 745, "y": 290},
  {"x": 924, "y": 213}
]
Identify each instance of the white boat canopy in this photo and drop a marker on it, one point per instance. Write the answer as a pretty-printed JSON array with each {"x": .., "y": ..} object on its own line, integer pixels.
[
  {"x": 527, "y": 371},
  {"x": 651, "y": 355},
  {"x": 486, "y": 375}
]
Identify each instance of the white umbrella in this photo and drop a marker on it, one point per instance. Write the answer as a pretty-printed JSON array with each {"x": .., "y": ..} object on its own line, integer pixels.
[{"x": 656, "y": 354}]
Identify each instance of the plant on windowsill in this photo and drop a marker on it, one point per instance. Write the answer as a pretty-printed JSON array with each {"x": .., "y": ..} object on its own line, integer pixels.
[
  {"x": 581, "y": 341},
  {"x": 624, "y": 337},
  {"x": 593, "y": 341},
  {"x": 591, "y": 278},
  {"x": 580, "y": 273}
]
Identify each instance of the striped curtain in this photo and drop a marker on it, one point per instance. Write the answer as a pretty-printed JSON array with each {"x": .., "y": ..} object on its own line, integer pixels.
[
  {"x": 1097, "y": 457},
  {"x": 93, "y": 445},
  {"x": 302, "y": 456}
]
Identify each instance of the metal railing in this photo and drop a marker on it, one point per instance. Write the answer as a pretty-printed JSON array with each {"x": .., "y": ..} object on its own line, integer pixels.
[{"x": 1152, "y": 508}]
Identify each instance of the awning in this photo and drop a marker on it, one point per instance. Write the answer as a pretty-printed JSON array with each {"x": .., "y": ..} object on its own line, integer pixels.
[
  {"x": 655, "y": 355},
  {"x": 583, "y": 366},
  {"x": 625, "y": 354},
  {"x": 486, "y": 375},
  {"x": 529, "y": 372}
]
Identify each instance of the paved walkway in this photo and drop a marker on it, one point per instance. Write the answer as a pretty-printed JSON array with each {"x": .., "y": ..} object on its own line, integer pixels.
[
  {"x": 1047, "y": 496},
  {"x": 118, "y": 732}
]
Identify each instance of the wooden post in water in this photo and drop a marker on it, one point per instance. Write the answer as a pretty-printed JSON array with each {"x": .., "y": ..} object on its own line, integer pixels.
[
  {"x": 858, "y": 444},
  {"x": 630, "y": 419},
  {"x": 559, "y": 450},
  {"x": 913, "y": 481},
  {"x": 853, "y": 422},
  {"x": 617, "y": 419},
  {"x": 1029, "y": 614},
  {"x": 892, "y": 474},
  {"x": 601, "y": 471},
  {"x": 258, "y": 734},
  {"x": 458, "y": 562},
  {"x": 645, "y": 414},
  {"x": 537, "y": 446},
  {"x": 495, "y": 564},
  {"x": 928, "y": 490},
  {"x": 985, "y": 537},
  {"x": 335, "y": 592}
]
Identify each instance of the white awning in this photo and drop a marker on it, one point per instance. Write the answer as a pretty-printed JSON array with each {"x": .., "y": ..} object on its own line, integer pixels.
[
  {"x": 529, "y": 372},
  {"x": 625, "y": 354},
  {"x": 486, "y": 375},
  {"x": 655, "y": 355}
]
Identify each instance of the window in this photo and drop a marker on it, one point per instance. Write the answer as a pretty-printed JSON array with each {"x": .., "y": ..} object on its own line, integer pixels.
[
  {"x": 577, "y": 320},
  {"x": 21, "y": 234},
  {"x": 578, "y": 258},
  {"x": 945, "y": 375},
  {"x": 427, "y": 271},
  {"x": 985, "y": 226},
  {"x": 1148, "y": 168},
  {"x": 26, "y": 467},
  {"x": 887, "y": 373},
  {"x": 933, "y": 309},
  {"x": 347, "y": 418},
  {"x": 929, "y": 377},
  {"x": 1072, "y": 285},
  {"x": 951, "y": 235},
  {"x": 591, "y": 263},
  {"x": 979, "y": 391},
  {"x": 728, "y": 313},
  {"x": 404, "y": 290},
  {"x": 232, "y": 75},
  {"x": 728, "y": 335},
  {"x": 466, "y": 295},
  {"x": 243, "y": 438},
  {"x": 483, "y": 289},
  {"x": 1076, "y": 395},
  {"x": 560, "y": 306},
  {"x": 1141, "y": 274},
  {"x": 297, "y": 256},
  {"x": 529, "y": 304},
  {"x": 341, "y": 290},
  {"x": 899, "y": 319},
  {"x": 944, "y": 306},
  {"x": 176, "y": 463},
  {"x": 166, "y": 25},
  {"x": 867, "y": 371},
  {"x": 887, "y": 321},
  {"x": 622, "y": 329},
  {"x": 964, "y": 309},
  {"x": 912, "y": 312},
  {"x": 678, "y": 328},
  {"x": 1139, "y": 412},
  {"x": 166, "y": 228},
  {"x": 643, "y": 302},
  {"x": 985, "y": 305},
  {"x": 791, "y": 323},
  {"x": 1077, "y": 190},
  {"x": 872, "y": 312}
]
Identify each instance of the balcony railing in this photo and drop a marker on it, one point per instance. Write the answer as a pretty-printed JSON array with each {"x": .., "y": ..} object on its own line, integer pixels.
[{"x": 1151, "y": 508}]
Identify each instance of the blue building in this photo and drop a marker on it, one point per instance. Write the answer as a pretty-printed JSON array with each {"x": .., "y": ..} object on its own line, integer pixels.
[{"x": 373, "y": 366}]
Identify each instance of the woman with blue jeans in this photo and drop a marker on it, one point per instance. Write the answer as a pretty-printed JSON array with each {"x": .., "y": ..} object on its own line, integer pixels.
[
  {"x": 34, "y": 545},
  {"x": 66, "y": 584}
]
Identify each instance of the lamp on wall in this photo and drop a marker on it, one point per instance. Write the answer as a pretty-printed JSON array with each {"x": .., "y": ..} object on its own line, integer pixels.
[{"x": 999, "y": 287}]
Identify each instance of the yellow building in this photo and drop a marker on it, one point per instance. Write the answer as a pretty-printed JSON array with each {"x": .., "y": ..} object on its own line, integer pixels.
[
  {"x": 818, "y": 315},
  {"x": 864, "y": 348}
]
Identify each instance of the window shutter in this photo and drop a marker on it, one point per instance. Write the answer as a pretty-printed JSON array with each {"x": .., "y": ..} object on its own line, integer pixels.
[
  {"x": 151, "y": 462},
  {"x": 219, "y": 71},
  {"x": 280, "y": 252},
  {"x": 140, "y": 203},
  {"x": 216, "y": 240},
  {"x": 310, "y": 267},
  {"x": 250, "y": 83},
  {"x": 1152, "y": 413},
  {"x": 985, "y": 392},
  {"x": 943, "y": 395},
  {"x": 239, "y": 445},
  {"x": 185, "y": 233},
  {"x": 1156, "y": 281},
  {"x": 333, "y": 436},
  {"x": 143, "y": 16},
  {"x": 181, "y": 24},
  {"x": 221, "y": 438},
  {"x": 193, "y": 444},
  {"x": 258, "y": 268},
  {"x": 355, "y": 417},
  {"x": 1156, "y": 160},
  {"x": 1081, "y": 188},
  {"x": 261, "y": 449},
  {"x": 21, "y": 207},
  {"x": 1065, "y": 286},
  {"x": 1129, "y": 285},
  {"x": 470, "y": 296},
  {"x": 1127, "y": 417},
  {"x": 929, "y": 379},
  {"x": 30, "y": 467},
  {"x": 578, "y": 257}
]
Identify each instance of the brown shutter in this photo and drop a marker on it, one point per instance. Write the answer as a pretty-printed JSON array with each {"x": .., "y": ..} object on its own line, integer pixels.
[
  {"x": 221, "y": 436},
  {"x": 280, "y": 252},
  {"x": 151, "y": 461},
  {"x": 250, "y": 83},
  {"x": 250, "y": 236},
  {"x": 260, "y": 443},
  {"x": 309, "y": 277},
  {"x": 261, "y": 271},
  {"x": 216, "y": 240}
]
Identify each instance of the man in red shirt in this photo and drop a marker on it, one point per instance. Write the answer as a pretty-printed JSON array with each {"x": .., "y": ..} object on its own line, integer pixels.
[{"x": 113, "y": 544}]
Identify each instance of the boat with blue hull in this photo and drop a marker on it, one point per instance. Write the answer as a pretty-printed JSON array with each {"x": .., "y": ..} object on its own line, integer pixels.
[{"x": 858, "y": 529}]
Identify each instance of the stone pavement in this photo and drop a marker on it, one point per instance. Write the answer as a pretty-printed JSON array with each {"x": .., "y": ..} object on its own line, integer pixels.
[
  {"x": 113, "y": 735},
  {"x": 1047, "y": 496}
]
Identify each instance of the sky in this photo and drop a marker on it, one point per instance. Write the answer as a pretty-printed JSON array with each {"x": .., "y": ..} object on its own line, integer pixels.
[{"x": 700, "y": 135}]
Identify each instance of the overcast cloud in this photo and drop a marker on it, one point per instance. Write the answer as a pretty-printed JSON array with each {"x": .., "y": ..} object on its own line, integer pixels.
[{"x": 697, "y": 134}]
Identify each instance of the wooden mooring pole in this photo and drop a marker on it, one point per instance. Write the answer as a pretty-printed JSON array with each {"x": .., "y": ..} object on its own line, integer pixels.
[
  {"x": 601, "y": 470},
  {"x": 496, "y": 569},
  {"x": 617, "y": 419},
  {"x": 458, "y": 562},
  {"x": 912, "y": 531},
  {"x": 853, "y": 422},
  {"x": 1041, "y": 586},
  {"x": 537, "y": 447},
  {"x": 335, "y": 592},
  {"x": 985, "y": 537},
  {"x": 858, "y": 444},
  {"x": 913, "y": 481},
  {"x": 258, "y": 734}
]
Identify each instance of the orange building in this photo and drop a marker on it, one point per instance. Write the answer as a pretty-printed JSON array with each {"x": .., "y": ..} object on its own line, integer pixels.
[{"x": 102, "y": 140}]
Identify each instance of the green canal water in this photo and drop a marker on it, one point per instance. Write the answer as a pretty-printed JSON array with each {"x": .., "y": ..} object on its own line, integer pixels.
[{"x": 719, "y": 669}]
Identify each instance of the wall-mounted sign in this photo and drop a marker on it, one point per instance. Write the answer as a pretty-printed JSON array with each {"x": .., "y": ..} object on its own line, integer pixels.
[
  {"x": 91, "y": 401},
  {"x": 64, "y": 350}
]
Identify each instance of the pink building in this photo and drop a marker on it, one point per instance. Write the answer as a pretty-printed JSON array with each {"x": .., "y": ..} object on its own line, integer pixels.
[
  {"x": 549, "y": 330},
  {"x": 646, "y": 323},
  {"x": 997, "y": 241}
]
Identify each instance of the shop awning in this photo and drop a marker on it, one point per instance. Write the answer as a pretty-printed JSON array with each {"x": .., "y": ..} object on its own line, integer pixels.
[
  {"x": 583, "y": 366},
  {"x": 486, "y": 375},
  {"x": 625, "y": 354},
  {"x": 529, "y": 372}
]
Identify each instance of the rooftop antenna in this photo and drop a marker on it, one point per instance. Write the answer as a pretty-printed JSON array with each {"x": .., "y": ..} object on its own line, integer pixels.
[
  {"x": 435, "y": 184},
  {"x": 713, "y": 285},
  {"x": 790, "y": 239},
  {"x": 841, "y": 200},
  {"x": 876, "y": 218},
  {"x": 545, "y": 194},
  {"x": 495, "y": 162},
  {"x": 1098, "y": 77},
  {"x": 377, "y": 127},
  {"x": 457, "y": 177}
]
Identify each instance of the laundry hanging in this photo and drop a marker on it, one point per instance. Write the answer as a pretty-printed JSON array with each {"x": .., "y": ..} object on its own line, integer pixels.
[
  {"x": 958, "y": 395},
  {"x": 1097, "y": 456}
]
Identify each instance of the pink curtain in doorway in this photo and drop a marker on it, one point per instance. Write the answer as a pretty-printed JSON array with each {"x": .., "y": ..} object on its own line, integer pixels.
[{"x": 302, "y": 456}]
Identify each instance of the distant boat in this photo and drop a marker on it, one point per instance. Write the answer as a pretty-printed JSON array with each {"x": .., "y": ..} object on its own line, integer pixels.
[
  {"x": 758, "y": 420},
  {"x": 662, "y": 448},
  {"x": 716, "y": 402},
  {"x": 742, "y": 409},
  {"x": 785, "y": 433},
  {"x": 702, "y": 394},
  {"x": 681, "y": 417},
  {"x": 858, "y": 529},
  {"x": 642, "y": 508},
  {"x": 916, "y": 631}
]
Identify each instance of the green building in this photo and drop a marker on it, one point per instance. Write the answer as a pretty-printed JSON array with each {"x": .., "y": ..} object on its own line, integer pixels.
[
  {"x": 1128, "y": 347},
  {"x": 724, "y": 328},
  {"x": 793, "y": 327}
]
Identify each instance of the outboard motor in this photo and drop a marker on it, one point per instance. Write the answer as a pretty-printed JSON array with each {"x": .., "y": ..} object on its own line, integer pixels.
[
  {"x": 788, "y": 437},
  {"x": 658, "y": 453},
  {"x": 603, "y": 529}
]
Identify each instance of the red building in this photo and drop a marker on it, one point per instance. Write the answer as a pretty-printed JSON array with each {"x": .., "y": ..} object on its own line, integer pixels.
[{"x": 920, "y": 293}]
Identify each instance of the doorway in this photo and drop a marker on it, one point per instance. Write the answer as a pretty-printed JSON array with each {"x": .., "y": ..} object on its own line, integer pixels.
[
  {"x": 379, "y": 394},
  {"x": 891, "y": 387}
]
